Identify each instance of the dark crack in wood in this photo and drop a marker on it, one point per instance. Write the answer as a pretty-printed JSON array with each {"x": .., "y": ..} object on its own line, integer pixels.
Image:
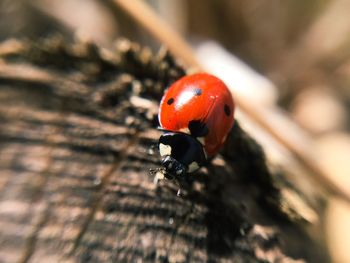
[
  {"x": 101, "y": 189},
  {"x": 45, "y": 176}
]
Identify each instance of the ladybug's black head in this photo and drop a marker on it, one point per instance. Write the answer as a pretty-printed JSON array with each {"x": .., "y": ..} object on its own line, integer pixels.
[{"x": 181, "y": 154}]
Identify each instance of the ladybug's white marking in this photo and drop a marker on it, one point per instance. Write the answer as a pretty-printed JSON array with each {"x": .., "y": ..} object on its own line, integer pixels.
[
  {"x": 201, "y": 140},
  {"x": 193, "y": 167},
  {"x": 205, "y": 153},
  {"x": 164, "y": 149}
]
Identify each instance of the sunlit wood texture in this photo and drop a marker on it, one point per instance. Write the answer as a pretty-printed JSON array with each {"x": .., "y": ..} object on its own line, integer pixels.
[{"x": 76, "y": 134}]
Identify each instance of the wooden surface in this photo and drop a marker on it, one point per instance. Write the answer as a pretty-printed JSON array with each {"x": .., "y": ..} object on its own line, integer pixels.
[{"x": 77, "y": 136}]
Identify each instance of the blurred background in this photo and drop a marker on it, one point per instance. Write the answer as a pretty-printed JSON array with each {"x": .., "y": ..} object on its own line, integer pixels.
[{"x": 291, "y": 55}]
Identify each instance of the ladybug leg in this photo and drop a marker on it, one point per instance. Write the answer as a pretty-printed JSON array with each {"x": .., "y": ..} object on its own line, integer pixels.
[
  {"x": 179, "y": 192},
  {"x": 158, "y": 177},
  {"x": 158, "y": 174},
  {"x": 183, "y": 183}
]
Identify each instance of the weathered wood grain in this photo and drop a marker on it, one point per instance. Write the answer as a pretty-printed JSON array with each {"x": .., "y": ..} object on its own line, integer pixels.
[{"x": 76, "y": 141}]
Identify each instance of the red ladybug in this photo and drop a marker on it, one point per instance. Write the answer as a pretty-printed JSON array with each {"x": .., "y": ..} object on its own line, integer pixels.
[{"x": 196, "y": 113}]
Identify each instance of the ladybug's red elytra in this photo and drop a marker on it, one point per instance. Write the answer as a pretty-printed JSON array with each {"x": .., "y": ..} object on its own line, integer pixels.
[{"x": 196, "y": 113}]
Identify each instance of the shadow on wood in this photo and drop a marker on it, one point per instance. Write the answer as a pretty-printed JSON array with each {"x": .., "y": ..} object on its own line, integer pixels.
[{"x": 77, "y": 129}]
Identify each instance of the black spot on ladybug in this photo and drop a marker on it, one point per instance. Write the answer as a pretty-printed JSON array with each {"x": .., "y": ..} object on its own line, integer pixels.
[
  {"x": 170, "y": 101},
  {"x": 227, "y": 110},
  {"x": 198, "y": 91},
  {"x": 198, "y": 128}
]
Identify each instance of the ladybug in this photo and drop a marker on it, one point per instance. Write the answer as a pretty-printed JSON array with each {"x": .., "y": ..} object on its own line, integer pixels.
[{"x": 196, "y": 114}]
